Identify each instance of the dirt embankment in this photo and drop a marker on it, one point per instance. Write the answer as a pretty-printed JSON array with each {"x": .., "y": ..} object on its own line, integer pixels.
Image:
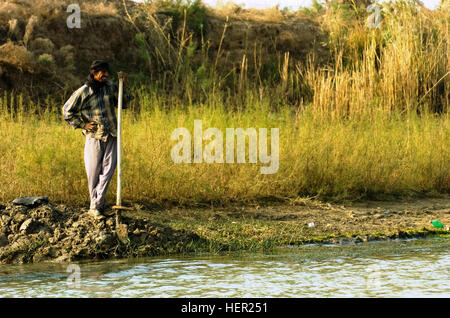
[
  {"x": 41, "y": 55},
  {"x": 48, "y": 232},
  {"x": 361, "y": 221},
  {"x": 264, "y": 36}
]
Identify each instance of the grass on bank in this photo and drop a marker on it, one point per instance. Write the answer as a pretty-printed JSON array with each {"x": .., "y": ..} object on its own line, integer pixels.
[
  {"x": 374, "y": 155},
  {"x": 240, "y": 230},
  {"x": 373, "y": 123}
]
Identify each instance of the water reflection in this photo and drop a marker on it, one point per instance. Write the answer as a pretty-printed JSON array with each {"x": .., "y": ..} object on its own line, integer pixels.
[{"x": 413, "y": 268}]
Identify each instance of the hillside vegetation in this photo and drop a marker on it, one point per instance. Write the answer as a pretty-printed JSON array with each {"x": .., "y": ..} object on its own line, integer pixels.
[{"x": 172, "y": 45}]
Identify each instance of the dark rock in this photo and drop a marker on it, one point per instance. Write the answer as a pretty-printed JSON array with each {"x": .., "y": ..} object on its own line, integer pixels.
[
  {"x": 3, "y": 240},
  {"x": 26, "y": 226},
  {"x": 30, "y": 226},
  {"x": 30, "y": 201}
]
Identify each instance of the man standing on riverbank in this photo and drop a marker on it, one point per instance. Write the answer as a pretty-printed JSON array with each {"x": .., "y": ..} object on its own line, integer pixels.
[{"x": 91, "y": 108}]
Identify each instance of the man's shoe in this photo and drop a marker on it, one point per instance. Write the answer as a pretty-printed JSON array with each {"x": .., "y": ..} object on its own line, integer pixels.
[{"x": 96, "y": 214}]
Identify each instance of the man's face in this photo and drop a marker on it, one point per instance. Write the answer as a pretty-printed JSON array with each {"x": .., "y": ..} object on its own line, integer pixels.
[{"x": 100, "y": 75}]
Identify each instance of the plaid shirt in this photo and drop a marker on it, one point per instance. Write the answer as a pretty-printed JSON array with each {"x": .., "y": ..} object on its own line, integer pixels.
[{"x": 86, "y": 106}]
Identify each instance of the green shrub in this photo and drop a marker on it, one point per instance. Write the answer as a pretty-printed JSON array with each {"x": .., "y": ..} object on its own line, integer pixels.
[
  {"x": 46, "y": 60},
  {"x": 194, "y": 11}
]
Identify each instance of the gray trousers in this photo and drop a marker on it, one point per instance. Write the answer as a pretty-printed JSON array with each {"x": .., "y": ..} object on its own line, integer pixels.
[{"x": 100, "y": 159}]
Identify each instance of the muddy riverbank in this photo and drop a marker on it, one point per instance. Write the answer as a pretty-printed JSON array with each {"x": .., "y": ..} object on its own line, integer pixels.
[
  {"x": 61, "y": 233},
  {"x": 52, "y": 232}
]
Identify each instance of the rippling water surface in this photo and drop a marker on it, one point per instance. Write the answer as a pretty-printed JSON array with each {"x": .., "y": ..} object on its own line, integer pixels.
[{"x": 413, "y": 268}]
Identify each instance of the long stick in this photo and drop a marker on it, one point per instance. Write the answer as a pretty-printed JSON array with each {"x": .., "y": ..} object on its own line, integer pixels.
[{"x": 119, "y": 146}]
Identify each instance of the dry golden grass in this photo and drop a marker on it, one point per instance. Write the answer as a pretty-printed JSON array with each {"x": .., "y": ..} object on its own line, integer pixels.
[
  {"x": 372, "y": 123},
  {"x": 369, "y": 156},
  {"x": 17, "y": 55},
  {"x": 99, "y": 8},
  {"x": 402, "y": 65}
]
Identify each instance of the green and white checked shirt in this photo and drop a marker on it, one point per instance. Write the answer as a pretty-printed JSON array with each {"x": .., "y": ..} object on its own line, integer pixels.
[{"x": 86, "y": 106}]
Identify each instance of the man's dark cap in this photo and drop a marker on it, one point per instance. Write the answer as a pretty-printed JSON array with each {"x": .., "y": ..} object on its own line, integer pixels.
[{"x": 100, "y": 65}]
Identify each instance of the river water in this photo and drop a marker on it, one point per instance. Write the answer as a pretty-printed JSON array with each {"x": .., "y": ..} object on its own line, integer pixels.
[{"x": 400, "y": 268}]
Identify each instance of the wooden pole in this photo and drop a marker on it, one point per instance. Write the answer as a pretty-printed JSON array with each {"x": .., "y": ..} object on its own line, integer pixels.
[
  {"x": 118, "y": 205},
  {"x": 119, "y": 142}
]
